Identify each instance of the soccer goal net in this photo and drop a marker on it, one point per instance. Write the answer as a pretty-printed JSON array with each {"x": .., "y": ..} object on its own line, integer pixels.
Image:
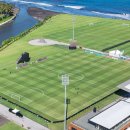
[{"x": 16, "y": 97}]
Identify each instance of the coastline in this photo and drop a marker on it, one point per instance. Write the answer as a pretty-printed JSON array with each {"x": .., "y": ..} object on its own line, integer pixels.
[
  {"x": 16, "y": 11},
  {"x": 40, "y": 14}
]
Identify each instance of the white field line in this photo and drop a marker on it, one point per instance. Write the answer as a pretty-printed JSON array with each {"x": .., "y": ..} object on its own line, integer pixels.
[
  {"x": 33, "y": 89},
  {"x": 37, "y": 90},
  {"x": 9, "y": 93}
]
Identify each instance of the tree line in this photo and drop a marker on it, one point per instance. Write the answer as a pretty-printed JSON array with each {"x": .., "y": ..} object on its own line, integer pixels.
[{"x": 6, "y": 9}]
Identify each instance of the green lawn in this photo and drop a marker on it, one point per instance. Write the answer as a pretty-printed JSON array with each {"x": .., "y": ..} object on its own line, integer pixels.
[
  {"x": 90, "y": 32},
  {"x": 5, "y": 19},
  {"x": 91, "y": 77},
  {"x": 10, "y": 126}
]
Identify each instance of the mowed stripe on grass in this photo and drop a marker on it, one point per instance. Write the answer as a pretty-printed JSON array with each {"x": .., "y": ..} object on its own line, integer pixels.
[
  {"x": 91, "y": 32},
  {"x": 39, "y": 84},
  {"x": 91, "y": 77}
]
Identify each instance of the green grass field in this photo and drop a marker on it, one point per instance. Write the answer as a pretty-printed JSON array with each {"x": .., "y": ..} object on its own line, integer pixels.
[
  {"x": 90, "y": 32},
  {"x": 91, "y": 77},
  {"x": 5, "y": 19},
  {"x": 10, "y": 126},
  {"x": 125, "y": 47}
]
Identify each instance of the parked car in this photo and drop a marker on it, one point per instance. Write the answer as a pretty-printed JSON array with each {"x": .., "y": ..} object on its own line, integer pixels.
[
  {"x": 19, "y": 114},
  {"x": 15, "y": 111},
  {"x": 10, "y": 109}
]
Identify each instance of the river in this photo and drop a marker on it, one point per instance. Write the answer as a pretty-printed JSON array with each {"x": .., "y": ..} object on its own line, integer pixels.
[
  {"x": 101, "y": 8},
  {"x": 22, "y": 22}
]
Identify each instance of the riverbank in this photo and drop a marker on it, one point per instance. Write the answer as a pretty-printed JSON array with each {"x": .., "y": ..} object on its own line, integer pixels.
[
  {"x": 40, "y": 14},
  {"x": 15, "y": 12}
]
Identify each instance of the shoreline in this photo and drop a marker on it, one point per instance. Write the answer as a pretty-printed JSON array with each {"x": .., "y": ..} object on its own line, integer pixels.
[
  {"x": 40, "y": 14},
  {"x": 16, "y": 11}
]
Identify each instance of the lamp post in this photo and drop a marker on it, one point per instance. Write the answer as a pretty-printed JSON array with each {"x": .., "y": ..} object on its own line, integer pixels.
[
  {"x": 73, "y": 23},
  {"x": 65, "y": 82}
]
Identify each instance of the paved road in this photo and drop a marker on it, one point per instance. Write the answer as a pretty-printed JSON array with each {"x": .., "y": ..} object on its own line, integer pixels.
[{"x": 27, "y": 123}]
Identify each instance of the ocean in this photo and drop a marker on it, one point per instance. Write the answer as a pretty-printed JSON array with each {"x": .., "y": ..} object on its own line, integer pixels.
[{"x": 100, "y": 8}]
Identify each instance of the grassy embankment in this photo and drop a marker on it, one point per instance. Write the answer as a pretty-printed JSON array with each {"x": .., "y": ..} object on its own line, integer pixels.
[
  {"x": 10, "y": 126},
  {"x": 6, "y": 19}
]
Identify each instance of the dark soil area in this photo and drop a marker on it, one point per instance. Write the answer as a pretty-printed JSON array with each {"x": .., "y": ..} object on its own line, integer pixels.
[{"x": 39, "y": 13}]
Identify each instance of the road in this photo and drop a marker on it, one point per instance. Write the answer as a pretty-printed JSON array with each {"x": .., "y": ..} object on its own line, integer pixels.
[{"x": 27, "y": 123}]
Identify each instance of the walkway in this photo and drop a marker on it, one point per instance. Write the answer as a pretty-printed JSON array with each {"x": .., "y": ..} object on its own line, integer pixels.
[{"x": 27, "y": 123}]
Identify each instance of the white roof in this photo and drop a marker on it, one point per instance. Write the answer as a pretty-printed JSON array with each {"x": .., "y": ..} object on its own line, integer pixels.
[
  {"x": 15, "y": 111},
  {"x": 115, "y": 52},
  {"x": 127, "y": 86},
  {"x": 128, "y": 100},
  {"x": 113, "y": 115}
]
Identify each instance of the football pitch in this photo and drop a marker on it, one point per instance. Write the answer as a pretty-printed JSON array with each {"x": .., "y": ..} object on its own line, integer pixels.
[{"x": 38, "y": 85}]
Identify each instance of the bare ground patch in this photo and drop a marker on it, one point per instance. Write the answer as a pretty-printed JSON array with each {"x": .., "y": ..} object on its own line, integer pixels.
[{"x": 3, "y": 120}]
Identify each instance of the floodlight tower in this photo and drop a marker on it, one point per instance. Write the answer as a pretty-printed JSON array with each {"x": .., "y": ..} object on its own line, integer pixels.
[
  {"x": 65, "y": 82},
  {"x": 73, "y": 23}
]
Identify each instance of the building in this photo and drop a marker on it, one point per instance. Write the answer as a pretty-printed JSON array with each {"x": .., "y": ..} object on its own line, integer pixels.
[
  {"x": 115, "y": 53},
  {"x": 115, "y": 116},
  {"x": 125, "y": 86}
]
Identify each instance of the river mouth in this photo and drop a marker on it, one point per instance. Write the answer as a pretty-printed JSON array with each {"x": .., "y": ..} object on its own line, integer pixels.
[{"x": 22, "y": 22}]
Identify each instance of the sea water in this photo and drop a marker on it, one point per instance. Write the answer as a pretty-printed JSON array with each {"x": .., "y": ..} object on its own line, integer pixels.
[{"x": 99, "y": 8}]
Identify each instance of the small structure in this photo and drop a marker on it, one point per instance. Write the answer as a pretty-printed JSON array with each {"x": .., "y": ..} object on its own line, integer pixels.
[
  {"x": 42, "y": 40},
  {"x": 24, "y": 58},
  {"x": 41, "y": 59},
  {"x": 72, "y": 45},
  {"x": 116, "y": 53},
  {"x": 125, "y": 86},
  {"x": 22, "y": 61},
  {"x": 112, "y": 117}
]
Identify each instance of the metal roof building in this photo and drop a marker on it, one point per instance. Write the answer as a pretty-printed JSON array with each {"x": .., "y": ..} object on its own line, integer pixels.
[
  {"x": 125, "y": 86},
  {"x": 113, "y": 116},
  {"x": 110, "y": 118}
]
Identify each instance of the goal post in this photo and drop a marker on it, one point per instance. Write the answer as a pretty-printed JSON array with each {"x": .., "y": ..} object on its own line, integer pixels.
[{"x": 16, "y": 97}]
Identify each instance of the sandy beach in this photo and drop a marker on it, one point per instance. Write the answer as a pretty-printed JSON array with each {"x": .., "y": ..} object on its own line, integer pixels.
[{"x": 39, "y": 13}]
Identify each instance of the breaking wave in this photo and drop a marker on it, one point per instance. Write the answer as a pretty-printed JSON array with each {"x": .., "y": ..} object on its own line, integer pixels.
[
  {"x": 35, "y": 3},
  {"x": 73, "y": 7},
  {"x": 122, "y": 16}
]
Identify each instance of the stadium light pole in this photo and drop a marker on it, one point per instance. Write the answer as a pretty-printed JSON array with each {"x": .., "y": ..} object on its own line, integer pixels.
[
  {"x": 73, "y": 23},
  {"x": 65, "y": 82}
]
